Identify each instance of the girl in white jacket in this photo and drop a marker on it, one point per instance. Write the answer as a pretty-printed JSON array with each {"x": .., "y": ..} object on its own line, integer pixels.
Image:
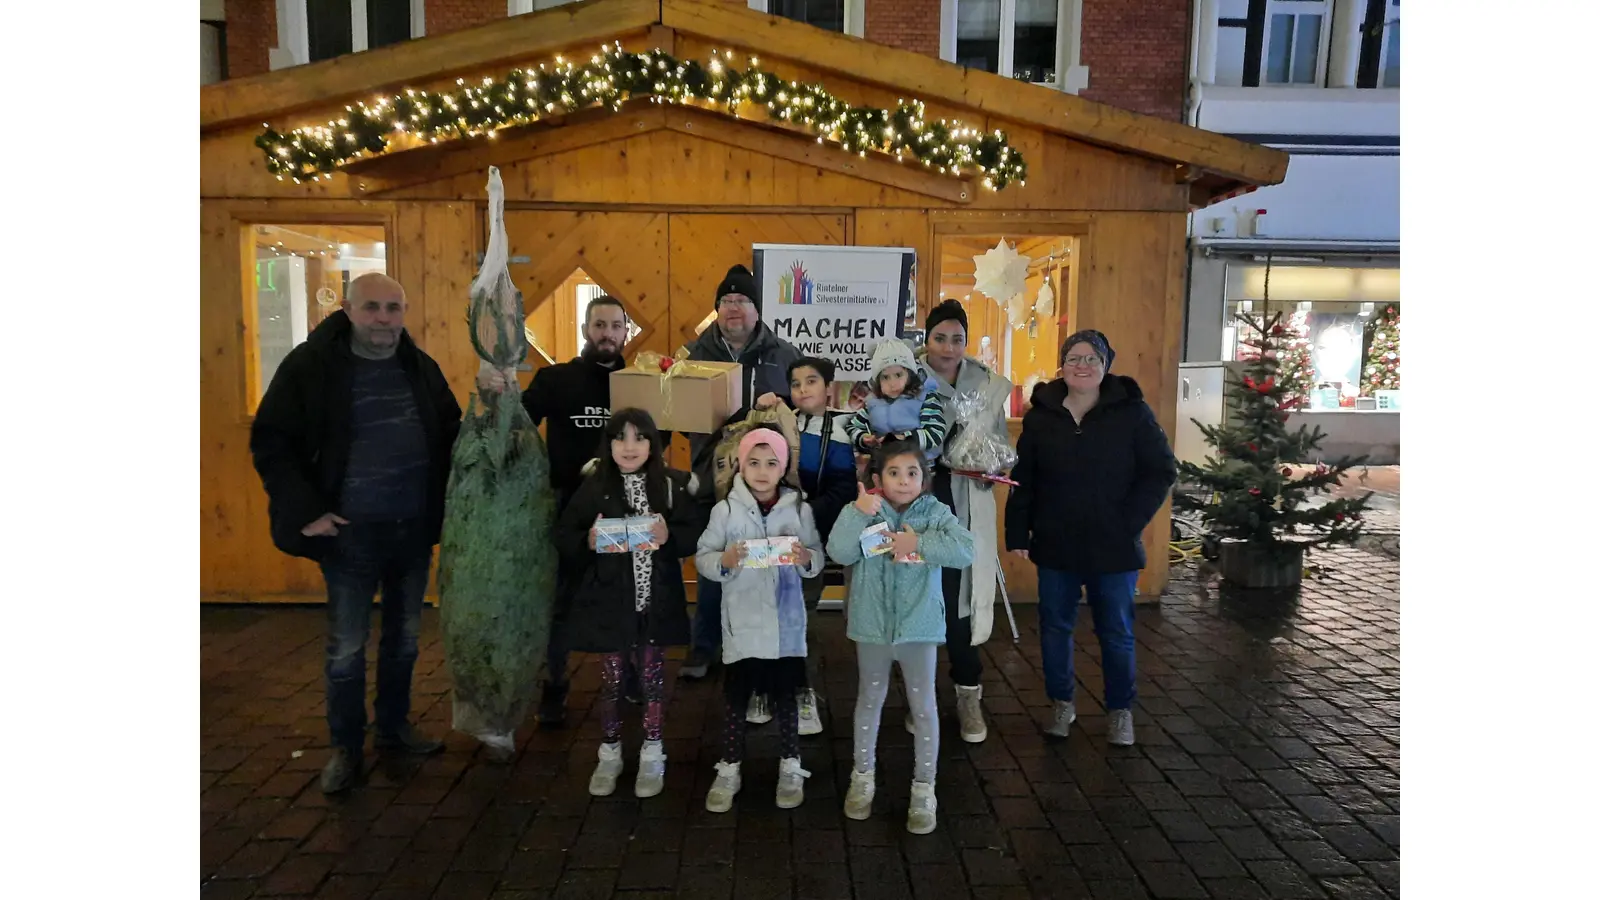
[{"x": 763, "y": 610}]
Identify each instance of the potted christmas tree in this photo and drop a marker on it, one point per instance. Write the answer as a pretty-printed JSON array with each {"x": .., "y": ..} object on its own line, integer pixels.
[{"x": 1256, "y": 506}]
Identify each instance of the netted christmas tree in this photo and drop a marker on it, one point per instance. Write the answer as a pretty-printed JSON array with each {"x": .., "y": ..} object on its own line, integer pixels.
[
  {"x": 497, "y": 560},
  {"x": 1382, "y": 371},
  {"x": 1249, "y": 489}
]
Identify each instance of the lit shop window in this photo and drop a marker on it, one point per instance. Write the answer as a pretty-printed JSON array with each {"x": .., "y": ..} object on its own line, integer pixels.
[{"x": 301, "y": 274}]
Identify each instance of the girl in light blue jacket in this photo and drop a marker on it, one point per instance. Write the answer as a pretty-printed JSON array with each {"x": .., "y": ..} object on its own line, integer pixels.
[
  {"x": 896, "y": 614},
  {"x": 763, "y": 610}
]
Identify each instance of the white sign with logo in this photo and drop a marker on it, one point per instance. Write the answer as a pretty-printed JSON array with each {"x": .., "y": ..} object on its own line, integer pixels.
[{"x": 836, "y": 303}]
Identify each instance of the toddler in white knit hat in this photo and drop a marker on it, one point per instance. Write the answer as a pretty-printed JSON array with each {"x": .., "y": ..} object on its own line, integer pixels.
[{"x": 902, "y": 403}]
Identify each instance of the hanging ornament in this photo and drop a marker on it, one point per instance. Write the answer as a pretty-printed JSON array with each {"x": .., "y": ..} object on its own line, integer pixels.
[
  {"x": 1017, "y": 310},
  {"x": 1000, "y": 274},
  {"x": 1046, "y": 304},
  {"x": 986, "y": 352}
]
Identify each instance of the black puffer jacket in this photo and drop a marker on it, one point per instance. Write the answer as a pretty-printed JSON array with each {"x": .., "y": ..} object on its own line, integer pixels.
[
  {"x": 1086, "y": 490},
  {"x": 602, "y": 618},
  {"x": 300, "y": 439}
]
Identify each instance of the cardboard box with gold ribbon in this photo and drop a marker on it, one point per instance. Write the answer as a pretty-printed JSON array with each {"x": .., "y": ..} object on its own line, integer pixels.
[{"x": 680, "y": 394}]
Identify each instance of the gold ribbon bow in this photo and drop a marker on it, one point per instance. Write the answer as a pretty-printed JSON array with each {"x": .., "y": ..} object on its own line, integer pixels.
[{"x": 680, "y": 366}]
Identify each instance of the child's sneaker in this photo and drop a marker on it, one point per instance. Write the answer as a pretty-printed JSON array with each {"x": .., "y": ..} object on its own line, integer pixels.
[
  {"x": 858, "y": 801},
  {"x": 1063, "y": 714},
  {"x": 758, "y": 713},
  {"x": 791, "y": 783},
  {"x": 652, "y": 770},
  {"x": 1119, "y": 727},
  {"x": 922, "y": 818},
  {"x": 604, "y": 780},
  {"x": 720, "y": 798},
  {"x": 810, "y": 721}
]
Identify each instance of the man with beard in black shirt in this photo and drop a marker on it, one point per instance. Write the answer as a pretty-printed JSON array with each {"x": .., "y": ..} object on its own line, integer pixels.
[{"x": 574, "y": 398}]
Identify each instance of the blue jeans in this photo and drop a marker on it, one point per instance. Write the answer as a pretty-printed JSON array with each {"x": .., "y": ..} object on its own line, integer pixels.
[
  {"x": 1111, "y": 604},
  {"x": 366, "y": 556},
  {"x": 707, "y": 636}
]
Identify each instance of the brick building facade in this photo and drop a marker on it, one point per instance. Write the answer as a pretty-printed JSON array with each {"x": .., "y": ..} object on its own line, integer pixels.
[
  {"x": 908, "y": 24},
  {"x": 1136, "y": 51}
]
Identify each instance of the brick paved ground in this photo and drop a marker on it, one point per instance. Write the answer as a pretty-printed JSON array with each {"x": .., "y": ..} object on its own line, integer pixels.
[{"x": 1268, "y": 766}]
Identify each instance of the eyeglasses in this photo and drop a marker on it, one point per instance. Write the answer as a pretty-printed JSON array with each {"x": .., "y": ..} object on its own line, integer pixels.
[
  {"x": 725, "y": 301},
  {"x": 1087, "y": 361}
]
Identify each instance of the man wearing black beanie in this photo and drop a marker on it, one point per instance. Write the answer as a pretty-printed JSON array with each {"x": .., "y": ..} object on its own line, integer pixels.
[{"x": 736, "y": 336}]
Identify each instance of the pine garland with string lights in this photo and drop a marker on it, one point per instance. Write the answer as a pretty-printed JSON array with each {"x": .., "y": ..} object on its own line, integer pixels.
[{"x": 613, "y": 77}]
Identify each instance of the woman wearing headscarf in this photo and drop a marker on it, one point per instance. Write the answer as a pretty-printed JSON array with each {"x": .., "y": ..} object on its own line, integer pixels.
[
  {"x": 969, "y": 593},
  {"x": 1093, "y": 467}
]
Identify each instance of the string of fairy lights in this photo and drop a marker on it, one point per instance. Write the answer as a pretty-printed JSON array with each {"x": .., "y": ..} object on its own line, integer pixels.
[{"x": 613, "y": 77}]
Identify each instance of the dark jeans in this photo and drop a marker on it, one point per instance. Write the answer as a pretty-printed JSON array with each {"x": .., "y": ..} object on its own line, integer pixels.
[
  {"x": 395, "y": 556},
  {"x": 1111, "y": 604},
  {"x": 966, "y": 663},
  {"x": 558, "y": 650},
  {"x": 559, "y": 647},
  {"x": 707, "y": 637}
]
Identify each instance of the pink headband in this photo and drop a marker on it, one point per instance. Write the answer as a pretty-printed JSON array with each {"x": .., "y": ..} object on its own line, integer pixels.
[{"x": 780, "y": 447}]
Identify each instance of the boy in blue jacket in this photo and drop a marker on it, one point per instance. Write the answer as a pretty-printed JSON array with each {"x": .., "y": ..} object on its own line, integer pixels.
[{"x": 827, "y": 481}]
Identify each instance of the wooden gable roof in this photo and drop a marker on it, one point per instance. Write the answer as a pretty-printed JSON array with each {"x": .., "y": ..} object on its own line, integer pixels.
[{"x": 1212, "y": 165}]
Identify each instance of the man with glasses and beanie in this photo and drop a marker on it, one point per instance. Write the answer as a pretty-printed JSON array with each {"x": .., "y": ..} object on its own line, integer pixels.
[
  {"x": 1093, "y": 468},
  {"x": 737, "y": 335}
]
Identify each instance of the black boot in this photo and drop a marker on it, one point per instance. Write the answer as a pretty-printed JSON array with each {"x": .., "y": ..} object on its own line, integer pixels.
[
  {"x": 408, "y": 740},
  {"x": 342, "y": 771},
  {"x": 553, "y": 705}
]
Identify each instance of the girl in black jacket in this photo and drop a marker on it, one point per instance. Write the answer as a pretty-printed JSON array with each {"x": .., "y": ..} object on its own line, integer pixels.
[
  {"x": 630, "y": 603},
  {"x": 1093, "y": 467}
]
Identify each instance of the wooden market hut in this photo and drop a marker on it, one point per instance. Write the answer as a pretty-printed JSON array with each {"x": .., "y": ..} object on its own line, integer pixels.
[{"x": 652, "y": 202}]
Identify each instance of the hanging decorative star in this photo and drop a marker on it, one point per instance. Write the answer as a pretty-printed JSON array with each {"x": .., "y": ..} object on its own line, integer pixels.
[
  {"x": 1017, "y": 309},
  {"x": 1000, "y": 273}
]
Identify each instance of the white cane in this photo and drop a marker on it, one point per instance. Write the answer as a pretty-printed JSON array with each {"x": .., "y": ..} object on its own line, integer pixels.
[{"x": 1005, "y": 597}]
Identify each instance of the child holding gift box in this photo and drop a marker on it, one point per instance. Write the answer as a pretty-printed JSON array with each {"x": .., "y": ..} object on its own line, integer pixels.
[
  {"x": 896, "y": 614},
  {"x": 763, "y": 612},
  {"x": 631, "y": 602}
]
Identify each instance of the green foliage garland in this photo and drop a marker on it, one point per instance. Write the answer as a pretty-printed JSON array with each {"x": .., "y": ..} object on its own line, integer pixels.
[{"x": 614, "y": 77}]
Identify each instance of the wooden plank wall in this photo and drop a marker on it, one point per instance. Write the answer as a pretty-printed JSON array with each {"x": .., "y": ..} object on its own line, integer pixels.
[
  {"x": 433, "y": 249},
  {"x": 656, "y": 218},
  {"x": 664, "y": 266}
]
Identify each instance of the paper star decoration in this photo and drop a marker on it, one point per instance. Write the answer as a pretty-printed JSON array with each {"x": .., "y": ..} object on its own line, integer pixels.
[
  {"x": 1000, "y": 273},
  {"x": 1017, "y": 309}
]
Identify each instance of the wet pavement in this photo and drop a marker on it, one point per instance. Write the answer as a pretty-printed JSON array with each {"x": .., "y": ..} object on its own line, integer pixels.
[{"x": 1267, "y": 766}]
